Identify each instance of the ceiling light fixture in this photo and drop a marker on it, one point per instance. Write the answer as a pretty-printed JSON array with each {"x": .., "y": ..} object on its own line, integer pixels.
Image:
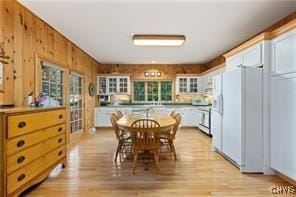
[{"x": 158, "y": 40}]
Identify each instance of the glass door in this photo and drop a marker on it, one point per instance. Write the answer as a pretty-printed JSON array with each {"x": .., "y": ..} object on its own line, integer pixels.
[
  {"x": 183, "y": 85},
  {"x": 102, "y": 86},
  {"x": 123, "y": 85},
  {"x": 75, "y": 104},
  {"x": 112, "y": 85},
  {"x": 193, "y": 85}
]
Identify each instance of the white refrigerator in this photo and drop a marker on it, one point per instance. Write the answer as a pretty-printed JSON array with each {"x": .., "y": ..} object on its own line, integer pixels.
[{"x": 238, "y": 137}]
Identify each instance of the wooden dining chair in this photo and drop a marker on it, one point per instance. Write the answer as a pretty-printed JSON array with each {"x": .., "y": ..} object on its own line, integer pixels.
[
  {"x": 170, "y": 136},
  {"x": 146, "y": 139},
  {"x": 173, "y": 114},
  {"x": 118, "y": 114},
  {"x": 123, "y": 138}
]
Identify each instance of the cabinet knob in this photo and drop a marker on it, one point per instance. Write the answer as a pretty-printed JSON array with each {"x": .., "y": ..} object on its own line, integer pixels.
[
  {"x": 21, "y": 177},
  {"x": 60, "y": 153},
  {"x": 21, "y": 159},
  {"x": 61, "y": 116},
  {"x": 22, "y": 124},
  {"x": 60, "y": 129},
  {"x": 60, "y": 140},
  {"x": 20, "y": 143}
]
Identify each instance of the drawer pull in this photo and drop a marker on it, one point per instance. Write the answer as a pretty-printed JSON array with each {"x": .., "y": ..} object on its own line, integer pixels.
[
  {"x": 60, "y": 129},
  {"x": 22, "y": 124},
  {"x": 60, "y": 153},
  {"x": 21, "y": 159},
  {"x": 61, "y": 116},
  {"x": 21, "y": 177},
  {"x": 60, "y": 140},
  {"x": 20, "y": 143}
]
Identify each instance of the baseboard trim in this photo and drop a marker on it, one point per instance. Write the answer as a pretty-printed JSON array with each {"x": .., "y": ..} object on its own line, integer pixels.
[{"x": 293, "y": 182}]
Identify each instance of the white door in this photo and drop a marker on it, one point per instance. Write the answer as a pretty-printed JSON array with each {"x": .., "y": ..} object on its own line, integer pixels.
[
  {"x": 283, "y": 125},
  {"x": 216, "y": 130},
  {"x": 232, "y": 114}
]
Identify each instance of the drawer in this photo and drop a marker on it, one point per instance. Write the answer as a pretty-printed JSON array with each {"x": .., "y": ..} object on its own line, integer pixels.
[
  {"x": 17, "y": 144},
  {"x": 22, "y": 176},
  {"x": 23, "y": 158},
  {"x": 25, "y": 123}
]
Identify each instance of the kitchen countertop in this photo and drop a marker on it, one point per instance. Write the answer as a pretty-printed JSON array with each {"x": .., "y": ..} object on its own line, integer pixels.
[{"x": 155, "y": 106}]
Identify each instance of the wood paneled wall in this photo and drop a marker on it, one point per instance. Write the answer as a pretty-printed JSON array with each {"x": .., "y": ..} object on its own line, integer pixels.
[
  {"x": 168, "y": 72},
  {"x": 23, "y": 36}
]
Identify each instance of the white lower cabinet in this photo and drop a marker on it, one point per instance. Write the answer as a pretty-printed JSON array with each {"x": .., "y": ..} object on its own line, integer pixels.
[
  {"x": 102, "y": 115},
  {"x": 189, "y": 115}
]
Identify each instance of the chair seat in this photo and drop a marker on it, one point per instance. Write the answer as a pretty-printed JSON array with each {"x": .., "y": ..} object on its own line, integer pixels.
[
  {"x": 126, "y": 136},
  {"x": 147, "y": 147},
  {"x": 166, "y": 136}
]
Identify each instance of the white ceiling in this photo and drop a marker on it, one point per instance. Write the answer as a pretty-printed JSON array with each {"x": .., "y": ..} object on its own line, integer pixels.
[{"x": 104, "y": 28}]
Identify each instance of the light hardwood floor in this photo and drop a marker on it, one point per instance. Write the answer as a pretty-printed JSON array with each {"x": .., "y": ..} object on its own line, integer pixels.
[{"x": 198, "y": 171}]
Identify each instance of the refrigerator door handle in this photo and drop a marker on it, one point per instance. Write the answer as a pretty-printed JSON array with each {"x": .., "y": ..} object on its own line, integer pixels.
[{"x": 221, "y": 104}]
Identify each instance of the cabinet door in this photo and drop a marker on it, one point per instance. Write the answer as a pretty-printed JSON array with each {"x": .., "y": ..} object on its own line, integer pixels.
[
  {"x": 233, "y": 62},
  {"x": 96, "y": 117},
  {"x": 252, "y": 56},
  {"x": 183, "y": 85},
  {"x": 186, "y": 117},
  {"x": 283, "y": 125},
  {"x": 112, "y": 85},
  {"x": 284, "y": 53},
  {"x": 201, "y": 84},
  {"x": 193, "y": 84},
  {"x": 101, "y": 85},
  {"x": 123, "y": 85},
  {"x": 191, "y": 117},
  {"x": 99, "y": 118},
  {"x": 195, "y": 116}
]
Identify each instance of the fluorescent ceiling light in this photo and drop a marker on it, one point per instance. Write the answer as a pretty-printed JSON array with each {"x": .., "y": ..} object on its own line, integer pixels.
[{"x": 159, "y": 40}]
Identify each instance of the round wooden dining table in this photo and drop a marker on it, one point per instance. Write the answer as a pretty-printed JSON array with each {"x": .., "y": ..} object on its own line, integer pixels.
[{"x": 165, "y": 121}]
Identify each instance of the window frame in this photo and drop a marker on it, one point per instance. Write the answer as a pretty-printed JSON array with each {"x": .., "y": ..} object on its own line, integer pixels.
[
  {"x": 159, "y": 91},
  {"x": 51, "y": 65}
]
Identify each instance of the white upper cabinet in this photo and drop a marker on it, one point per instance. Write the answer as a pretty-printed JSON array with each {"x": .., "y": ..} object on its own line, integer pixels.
[
  {"x": 251, "y": 56},
  {"x": 113, "y": 84},
  {"x": 187, "y": 84},
  {"x": 233, "y": 62},
  {"x": 206, "y": 85},
  {"x": 284, "y": 53}
]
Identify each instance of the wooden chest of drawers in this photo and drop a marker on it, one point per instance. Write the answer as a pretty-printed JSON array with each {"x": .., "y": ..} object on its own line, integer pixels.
[{"x": 33, "y": 143}]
